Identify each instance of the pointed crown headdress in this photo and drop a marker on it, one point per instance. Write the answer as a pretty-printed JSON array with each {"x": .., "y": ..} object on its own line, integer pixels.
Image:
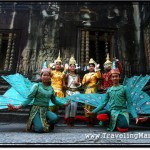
[
  {"x": 72, "y": 61},
  {"x": 58, "y": 59},
  {"x": 92, "y": 61},
  {"x": 108, "y": 63}
]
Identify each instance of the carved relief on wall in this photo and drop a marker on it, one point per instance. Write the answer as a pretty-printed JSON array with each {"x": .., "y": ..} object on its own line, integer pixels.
[
  {"x": 46, "y": 45},
  {"x": 32, "y": 60},
  {"x": 46, "y": 53}
]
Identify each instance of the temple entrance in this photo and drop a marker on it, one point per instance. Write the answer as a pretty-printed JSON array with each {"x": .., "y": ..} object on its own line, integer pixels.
[
  {"x": 97, "y": 48},
  {"x": 95, "y": 44}
]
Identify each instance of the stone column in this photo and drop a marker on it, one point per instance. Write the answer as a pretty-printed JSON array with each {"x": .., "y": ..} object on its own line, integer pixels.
[
  {"x": 8, "y": 52},
  {"x": 82, "y": 48},
  {"x": 87, "y": 48}
]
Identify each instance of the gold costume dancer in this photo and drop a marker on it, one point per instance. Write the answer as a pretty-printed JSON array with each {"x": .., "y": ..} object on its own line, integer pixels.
[
  {"x": 90, "y": 82},
  {"x": 57, "y": 81}
]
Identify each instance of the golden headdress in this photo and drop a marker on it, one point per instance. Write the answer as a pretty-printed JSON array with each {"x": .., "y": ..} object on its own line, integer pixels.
[
  {"x": 58, "y": 59},
  {"x": 72, "y": 61},
  {"x": 92, "y": 61},
  {"x": 108, "y": 63}
]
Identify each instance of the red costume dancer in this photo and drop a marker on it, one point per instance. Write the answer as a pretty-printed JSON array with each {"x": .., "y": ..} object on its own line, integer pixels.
[{"x": 106, "y": 79}]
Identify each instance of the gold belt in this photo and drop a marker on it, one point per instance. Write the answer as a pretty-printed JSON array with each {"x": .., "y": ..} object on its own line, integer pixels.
[
  {"x": 57, "y": 89},
  {"x": 93, "y": 86},
  {"x": 73, "y": 89}
]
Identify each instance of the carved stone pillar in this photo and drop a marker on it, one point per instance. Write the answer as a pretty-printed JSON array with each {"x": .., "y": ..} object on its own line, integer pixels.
[
  {"x": 8, "y": 52},
  {"x": 82, "y": 48},
  {"x": 12, "y": 53},
  {"x": 87, "y": 48},
  {"x": 97, "y": 47}
]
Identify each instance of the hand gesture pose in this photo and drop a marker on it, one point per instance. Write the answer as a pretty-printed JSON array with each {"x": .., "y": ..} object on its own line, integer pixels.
[
  {"x": 67, "y": 103},
  {"x": 88, "y": 112},
  {"x": 97, "y": 66},
  {"x": 66, "y": 67},
  {"x": 141, "y": 119},
  {"x": 51, "y": 65},
  {"x": 13, "y": 108}
]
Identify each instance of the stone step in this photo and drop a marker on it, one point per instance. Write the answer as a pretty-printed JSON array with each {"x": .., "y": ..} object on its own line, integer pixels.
[
  {"x": 23, "y": 114},
  {"x": 3, "y": 89},
  {"x": 4, "y": 86},
  {"x": 22, "y": 117}
]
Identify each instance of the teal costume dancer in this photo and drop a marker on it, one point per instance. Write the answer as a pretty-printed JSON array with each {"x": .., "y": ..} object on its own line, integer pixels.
[
  {"x": 119, "y": 100},
  {"x": 24, "y": 92},
  {"x": 40, "y": 115}
]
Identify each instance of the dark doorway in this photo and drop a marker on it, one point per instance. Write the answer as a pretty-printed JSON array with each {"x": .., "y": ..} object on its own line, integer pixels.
[
  {"x": 99, "y": 45},
  {"x": 97, "y": 49}
]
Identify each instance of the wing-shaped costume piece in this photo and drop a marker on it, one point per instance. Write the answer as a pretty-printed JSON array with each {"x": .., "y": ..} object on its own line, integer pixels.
[
  {"x": 90, "y": 99},
  {"x": 11, "y": 96},
  {"x": 19, "y": 91},
  {"x": 21, "y": 84},
  {"x": 135, "y": 84},
  {"x": 141, "y": 100}
]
